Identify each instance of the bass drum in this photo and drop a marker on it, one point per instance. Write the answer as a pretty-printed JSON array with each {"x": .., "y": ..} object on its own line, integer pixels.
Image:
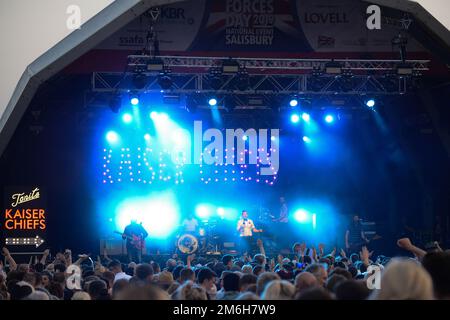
[{"x": 187, "y": 243}]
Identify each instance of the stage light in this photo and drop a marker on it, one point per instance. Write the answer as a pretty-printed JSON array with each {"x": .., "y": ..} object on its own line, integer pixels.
[
  {"x": 306, "y": 117},
  {"x": 272, "y": 138},
  {"x": 153, "y": 115},
  {"x": 295, "y": 118},
  {"x": 245, "y": 138},
  {"x": 147, "y": 137},
  {"x": 333, "y": 67},
  {"x": 306, "y": 139},
  {"x": 220, "y": 212},
  {"x": 301, "y": 215},
  {"x": 159, "y": 214},
  {"x": 155, "y": 65},
  {"x": 293, "y": 102},
  {"x": 212, "y": 102},
  {"x": 112, "y": 137},
  {"x": 203, "y": 211},
  {"x": 329, "y": 118},
  {"x": 370, "y": 103},
  {"x": 163, "y": 117},
  {"x": 314, "y": 220},
  {"x": 134, "y": 101},
  {"x": 127, "y": 118}
]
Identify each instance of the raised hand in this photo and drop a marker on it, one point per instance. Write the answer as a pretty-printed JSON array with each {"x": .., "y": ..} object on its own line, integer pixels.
[
  {"x": 321, "y": 247},
  {"x": 5, "y": 252},
  {"x": 342, "y": 253},
  {"x": 404, "y": 243}
]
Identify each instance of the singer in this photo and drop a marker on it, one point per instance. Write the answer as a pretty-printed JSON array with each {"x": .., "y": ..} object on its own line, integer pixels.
[{"x": 246, "y": 227}]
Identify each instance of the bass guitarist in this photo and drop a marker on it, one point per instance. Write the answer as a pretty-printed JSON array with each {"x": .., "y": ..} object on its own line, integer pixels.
[{"x": 135, "y": 235}]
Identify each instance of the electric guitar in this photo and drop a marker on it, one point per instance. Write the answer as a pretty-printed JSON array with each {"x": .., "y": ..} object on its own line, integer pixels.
[{"x": 135, "y": 241}]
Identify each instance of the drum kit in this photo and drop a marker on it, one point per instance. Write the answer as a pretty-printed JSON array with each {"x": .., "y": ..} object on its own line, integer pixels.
[{"x": 204, "y": 241}]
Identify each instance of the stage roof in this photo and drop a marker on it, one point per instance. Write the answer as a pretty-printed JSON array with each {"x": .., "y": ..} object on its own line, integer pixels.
[{"x": 119, "y": 14}]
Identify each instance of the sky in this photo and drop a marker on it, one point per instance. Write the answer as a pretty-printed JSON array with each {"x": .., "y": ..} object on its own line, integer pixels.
[{"x": 28, "y": 28}]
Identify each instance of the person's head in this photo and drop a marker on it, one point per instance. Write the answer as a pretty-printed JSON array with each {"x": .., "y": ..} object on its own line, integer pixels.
[
  {"x": 171, "y": 264},
  {"x": 187, "y": 274},
  {"x": 247, "y": 269},
  {"x": 305, "y": 280},
  {"x": 438, "y": 265},
  {"x": 263, "y": 279},
  {"x": 278, "y": 290},
  {"x": 147, "y": 292},
  {"x": 341, "y": 271},
  {"x": 98, "y": 290},
  {"x": 231, "y": 282},
  {"x": 177, "y": 271},
  {"x": 227, "y": 260},
  {"x": 333, "y": 281},
  {"x": 20, "y": 290},
  {"x": 257, "y": 270},
  {"x": 315, "y": 293},
  {"x": 144, "y": 272},
  {"x": 244, "y": 214},
  {"x": 115, "y": 266},
  {"x": 246, "y": 280},
  {"x": 319, "y": 272},
  {"x": 46, "y": 278},
  {"x": 206, "y": 278},
  {"x": 156, "y": 267},
  {"x": 30, "y": 277},
  {"x": 247, "y": 296},
  {"x": 260, "y": 259},
  {"x": 190, "y": 291},
  {"x": 81, "y": 295},
  {"x": 404, "y": 279},
  {"x": 355, "y": 218},
  {"x": 351, "y": 290},
  {"x": 118, "y": 287}
]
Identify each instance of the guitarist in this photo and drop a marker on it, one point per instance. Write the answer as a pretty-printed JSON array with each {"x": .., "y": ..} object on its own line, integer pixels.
[
  {"x": 246, "y": 227},
  {"x": 354, "y": 236},
  {"x": 135, "y": 235}
]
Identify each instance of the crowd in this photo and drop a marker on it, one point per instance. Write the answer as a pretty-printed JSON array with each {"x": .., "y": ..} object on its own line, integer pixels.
[{"x": 306, "y": 274}]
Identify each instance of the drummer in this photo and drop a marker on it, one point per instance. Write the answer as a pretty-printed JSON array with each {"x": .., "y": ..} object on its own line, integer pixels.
[{"x": 190, "y": 224}]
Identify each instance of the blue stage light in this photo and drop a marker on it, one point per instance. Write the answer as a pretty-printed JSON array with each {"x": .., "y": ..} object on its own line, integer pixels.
[
  {"x": 301, "y": 215},
  {"x": 306, "y": 117},
  {"x": 329, "y": 118},
  {"x": 306, "y": 139},
  {"x": 203, "y": 211},
  {"x": 295, "y": 118},
  {"x": 370, "y": 103},
  {"x": 293, "y": 102},
  {"x": 245, "y": 138},
  {"x": 221, "y": 212},
  {"x": 112, "y": 137},
  {"x": 127, "y": 118},
  {"x": 147, "y": 137},
  {"x": 134, "y": 101},
  {"x": 212, "y": 102},
  {"x": 159, "y": 214},
  {"x": 153, "y": 115}
]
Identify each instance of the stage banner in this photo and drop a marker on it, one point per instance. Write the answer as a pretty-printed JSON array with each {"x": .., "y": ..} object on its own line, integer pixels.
[
  {"x": 262, "y": 26},
  {"x": 24, "y": 221}
]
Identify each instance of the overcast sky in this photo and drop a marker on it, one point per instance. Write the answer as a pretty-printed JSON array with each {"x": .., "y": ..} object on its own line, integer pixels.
[{"x": 28, "y": 28}]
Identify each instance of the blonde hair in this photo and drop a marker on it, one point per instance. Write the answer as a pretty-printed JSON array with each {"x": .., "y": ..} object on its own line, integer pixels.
[
  {"x": 279, "y": 290},
  {"x": 404, "y": 279},
  {"x": 190, "y": 291}
]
